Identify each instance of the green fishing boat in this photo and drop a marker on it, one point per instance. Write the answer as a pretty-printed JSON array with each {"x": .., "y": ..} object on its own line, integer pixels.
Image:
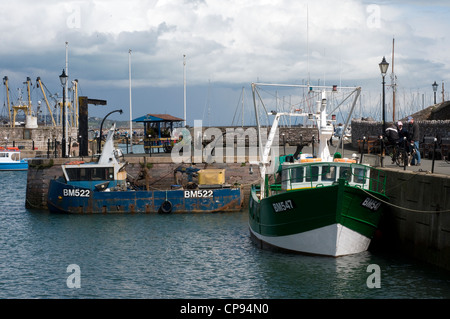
[{"x": 319, "y": 204}]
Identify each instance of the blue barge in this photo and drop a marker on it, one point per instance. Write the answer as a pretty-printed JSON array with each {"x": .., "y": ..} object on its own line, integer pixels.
[{"x": 102, "y": 188}]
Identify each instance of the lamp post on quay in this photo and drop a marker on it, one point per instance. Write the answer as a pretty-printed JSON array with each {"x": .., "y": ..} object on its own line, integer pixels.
[
  {"x": 383, "y": 68},
  {"x": 63, "y": 78},
  {"x": 435, "y": 86}
]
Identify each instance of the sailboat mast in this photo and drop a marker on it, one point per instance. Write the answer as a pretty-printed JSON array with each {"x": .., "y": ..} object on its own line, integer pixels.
[
  {"x": 184, "y": 88},
  {"x": 67, "y": 94},
  {"x": 242, "y": 107},
  {"x": 131, "y": 116},
  {"x": 393, "y": 82},
  {"x": 307, "y": 43}
]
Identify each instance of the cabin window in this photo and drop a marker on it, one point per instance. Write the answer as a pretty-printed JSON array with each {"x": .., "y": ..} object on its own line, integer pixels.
[
  {"x": 73, "y": 174},
  {"x": 90, "y": 174},
  {"x": 345, "y": 173},
  {"x": 297, "y": 175},
  {"x": 100, "y": 174},
  {"x": 312, "y": 173},
  {"x": 329, "y": 173},
  {"x": 360, "y": 175},
  {"x": 3, "y": 155}
]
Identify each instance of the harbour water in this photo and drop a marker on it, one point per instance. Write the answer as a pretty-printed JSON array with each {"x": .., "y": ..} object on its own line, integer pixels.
[{"x": 180, "y": 257}]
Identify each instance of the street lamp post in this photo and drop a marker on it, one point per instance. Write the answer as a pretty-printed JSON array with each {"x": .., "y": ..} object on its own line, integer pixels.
[
  {"x": 63, "y": 78},
  {"x": 435, "y": 86},
  {"x": 99, "y": 142},
  {"x": 383, "y": 68}
]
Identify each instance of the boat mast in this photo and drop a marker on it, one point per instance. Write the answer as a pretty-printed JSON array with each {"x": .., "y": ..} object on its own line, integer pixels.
[
  {"x": 66, "y": 116},
  {"x": 307, "y": 43},
  {"x": 262, "y": 167},
  {"x": 131, "y": 116},
  {"x": 394, "y": 85},
  {"x": 184, "y": 86},
  {"x": 242, "y": 107}
]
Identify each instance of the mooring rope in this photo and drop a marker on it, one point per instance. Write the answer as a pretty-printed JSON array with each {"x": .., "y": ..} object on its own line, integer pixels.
[{"x": 408, "y": 209}]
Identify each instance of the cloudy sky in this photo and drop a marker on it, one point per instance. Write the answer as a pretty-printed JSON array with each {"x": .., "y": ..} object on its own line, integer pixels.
[{"x": 227, "y": 43}]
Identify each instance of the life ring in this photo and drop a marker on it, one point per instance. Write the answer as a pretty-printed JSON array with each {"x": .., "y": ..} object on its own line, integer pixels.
[{"x": 166, "y": 207}]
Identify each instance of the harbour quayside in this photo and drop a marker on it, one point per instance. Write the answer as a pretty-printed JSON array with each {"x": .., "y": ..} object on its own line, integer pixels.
[
  {"x": 102, "y": 187},
  {"x": 320, "y": 204},
  {"x": 10, "y": 160}
]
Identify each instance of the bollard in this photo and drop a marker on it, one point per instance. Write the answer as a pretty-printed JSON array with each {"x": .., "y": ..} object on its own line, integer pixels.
[
  {"x": 405, "y": 154},
  {"x": 434, "y": 155},
  {"x": 381, "y": 151},
  {"x": 362, "y": 150}
]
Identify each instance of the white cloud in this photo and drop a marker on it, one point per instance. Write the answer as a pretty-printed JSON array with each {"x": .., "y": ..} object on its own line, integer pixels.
[{"x": 226, "y": 41}]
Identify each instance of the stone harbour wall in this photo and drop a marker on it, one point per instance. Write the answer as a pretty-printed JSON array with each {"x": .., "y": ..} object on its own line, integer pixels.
[
  {"x": 25, "y": 138},
  {"x": 361, "y": 128},
  {"x": 290, "y": 135},
  {"x": 418, "y": 222}
]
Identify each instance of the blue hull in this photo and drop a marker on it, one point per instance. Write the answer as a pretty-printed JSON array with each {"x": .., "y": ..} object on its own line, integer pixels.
[
  {"x": 18, "y": 166},
  {"x": 65, "y": 198}
]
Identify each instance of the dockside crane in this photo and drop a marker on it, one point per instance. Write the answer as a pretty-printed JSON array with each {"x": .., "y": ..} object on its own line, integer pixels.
[
  {"x": 41, "y": 86},
  {"x": 5, "y": 82},
  {"x": 75, "y": 100},
  {"x": 29, "y": 108},
  {"x": 26, "y": 108}
]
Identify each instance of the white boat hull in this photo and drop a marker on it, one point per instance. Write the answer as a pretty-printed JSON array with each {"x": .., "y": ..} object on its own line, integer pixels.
[{"x": 333, "y": 240}]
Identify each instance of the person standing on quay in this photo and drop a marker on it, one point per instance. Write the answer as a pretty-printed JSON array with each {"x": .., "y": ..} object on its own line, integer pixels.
[{"x": 414, "y": 136}]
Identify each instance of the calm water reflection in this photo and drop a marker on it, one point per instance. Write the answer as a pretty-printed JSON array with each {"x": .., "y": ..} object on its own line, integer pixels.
[{"x": 179, "y": 256}]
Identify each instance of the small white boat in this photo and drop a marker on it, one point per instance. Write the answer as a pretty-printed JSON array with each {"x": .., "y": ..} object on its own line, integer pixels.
[{"x": 10, "y": 160}]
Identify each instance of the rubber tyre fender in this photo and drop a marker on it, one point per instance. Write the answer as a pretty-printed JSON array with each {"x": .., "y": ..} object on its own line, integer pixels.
[{"x": 166, "y": 207}]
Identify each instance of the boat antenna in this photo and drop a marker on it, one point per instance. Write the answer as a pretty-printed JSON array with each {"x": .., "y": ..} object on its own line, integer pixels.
[{"x": 394, "y": 84}]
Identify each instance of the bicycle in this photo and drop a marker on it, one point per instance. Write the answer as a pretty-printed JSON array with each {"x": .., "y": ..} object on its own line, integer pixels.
[{"x": 401, "y": 155}]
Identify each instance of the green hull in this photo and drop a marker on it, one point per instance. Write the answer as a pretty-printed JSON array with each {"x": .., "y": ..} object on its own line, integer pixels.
[{"x": 302, "y": 210}]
